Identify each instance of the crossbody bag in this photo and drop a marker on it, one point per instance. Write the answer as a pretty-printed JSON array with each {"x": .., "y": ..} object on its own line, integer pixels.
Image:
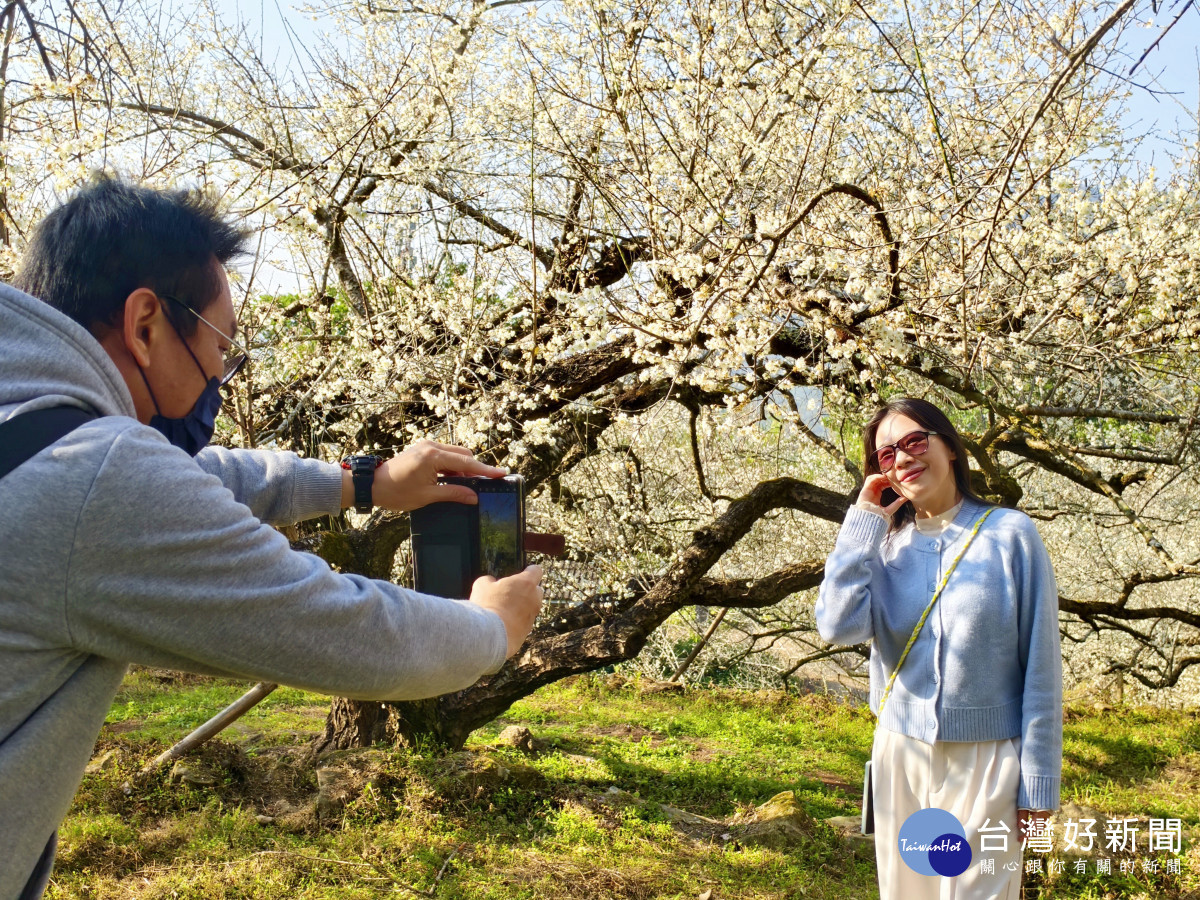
[
  {"x": 24, "y": 436},
  {"x": 868, "y": 803},
  {"x": 21, "y": 438}
]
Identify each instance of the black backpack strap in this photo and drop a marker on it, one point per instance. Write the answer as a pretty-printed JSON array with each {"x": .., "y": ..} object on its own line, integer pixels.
[{"x": 24, "y": 436}]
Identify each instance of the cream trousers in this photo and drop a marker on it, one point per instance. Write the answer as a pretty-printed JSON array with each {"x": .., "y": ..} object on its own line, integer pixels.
[{"x": 978, "y": 783}]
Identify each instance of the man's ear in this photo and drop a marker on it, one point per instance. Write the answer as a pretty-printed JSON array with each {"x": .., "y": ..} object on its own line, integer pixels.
[{"x": 142, "y": 324}]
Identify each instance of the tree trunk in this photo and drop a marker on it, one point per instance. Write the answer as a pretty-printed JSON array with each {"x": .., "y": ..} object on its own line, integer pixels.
[
  {"x": 582, "y": 639},
  {"x": 352, "y": 724}
]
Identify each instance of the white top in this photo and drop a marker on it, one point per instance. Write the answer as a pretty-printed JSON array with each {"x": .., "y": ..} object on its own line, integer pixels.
[
  {"x": 937, "y": 524},
  {"x": 933, "y": 525}
]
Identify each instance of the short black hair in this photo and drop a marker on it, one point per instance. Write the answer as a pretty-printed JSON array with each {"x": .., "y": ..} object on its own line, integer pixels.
[{"x": 113, "y": 237}]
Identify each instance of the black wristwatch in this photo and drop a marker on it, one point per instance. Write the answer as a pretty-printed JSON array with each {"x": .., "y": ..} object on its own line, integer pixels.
[{"x": 362, "y": 473}]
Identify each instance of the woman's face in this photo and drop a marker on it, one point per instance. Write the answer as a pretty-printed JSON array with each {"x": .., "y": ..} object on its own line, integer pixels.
[{"x": 926, "y": 480}]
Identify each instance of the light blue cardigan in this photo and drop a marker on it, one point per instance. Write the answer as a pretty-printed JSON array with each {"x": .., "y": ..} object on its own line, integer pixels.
[{"x": 988, "y": 663}]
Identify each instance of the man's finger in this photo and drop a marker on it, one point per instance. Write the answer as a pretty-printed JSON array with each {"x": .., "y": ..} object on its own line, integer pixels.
[
  {"x": 455, "y": 493},
  {"x": 452, "y": 448},
  {"x": 450, "y": 461}
]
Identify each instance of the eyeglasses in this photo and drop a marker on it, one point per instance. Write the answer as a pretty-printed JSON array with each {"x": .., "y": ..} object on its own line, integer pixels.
[
  {"x": 915, "y": 443},
  {"x": 233, "y": 362}
]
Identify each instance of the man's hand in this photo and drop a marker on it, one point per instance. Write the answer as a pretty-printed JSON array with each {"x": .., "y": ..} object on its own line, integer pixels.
[
  {"x": 410, "y": 480},
  {"x": 517, "y": 600}
]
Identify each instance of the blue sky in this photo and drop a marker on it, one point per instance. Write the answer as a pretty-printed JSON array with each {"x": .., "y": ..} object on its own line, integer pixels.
[{"x": 1166, "y": 104}]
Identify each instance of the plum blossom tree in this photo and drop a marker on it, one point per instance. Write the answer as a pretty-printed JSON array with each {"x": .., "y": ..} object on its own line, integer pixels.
[{"x": 663, "y": 258}]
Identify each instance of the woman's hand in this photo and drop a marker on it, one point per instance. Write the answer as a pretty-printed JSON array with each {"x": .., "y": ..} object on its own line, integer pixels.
[
  {"x": 872, "y": 492},
  {"x": 1026, "y": 819}
]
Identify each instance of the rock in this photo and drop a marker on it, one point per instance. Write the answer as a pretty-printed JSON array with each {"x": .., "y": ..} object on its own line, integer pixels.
[
  {"x": 517, "y": 736},
  {"x": 848, "y": 828},
  {"x": 779, "y": 824},
  {"x": 1078, "y": 813},
  {"x": 684, "y": 817},
  {"x": 188, "y": 773},
  {"x": 845, "y": 823},
  {"x": 103, "y": 762},
  {"x": 469, "y": 775},
  {"x": 782, "y": 806}
]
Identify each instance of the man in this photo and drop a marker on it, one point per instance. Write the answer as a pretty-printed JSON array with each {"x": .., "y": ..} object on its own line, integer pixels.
[{"x": 129, "y": 541}]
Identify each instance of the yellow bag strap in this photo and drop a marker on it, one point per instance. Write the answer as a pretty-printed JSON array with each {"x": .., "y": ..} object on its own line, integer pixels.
[{"x": 925, "y": 615}]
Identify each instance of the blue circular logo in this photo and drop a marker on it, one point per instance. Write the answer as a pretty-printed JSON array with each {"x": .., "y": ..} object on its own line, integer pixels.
[{"x": 934, "y": 842}]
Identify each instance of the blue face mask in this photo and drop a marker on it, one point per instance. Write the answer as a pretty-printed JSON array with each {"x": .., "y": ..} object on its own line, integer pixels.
[{"x": 191, "y": 433}]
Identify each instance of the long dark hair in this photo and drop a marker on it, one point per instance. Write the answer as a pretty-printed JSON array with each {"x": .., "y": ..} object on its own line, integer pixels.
[{"x": 930, "y": 418}]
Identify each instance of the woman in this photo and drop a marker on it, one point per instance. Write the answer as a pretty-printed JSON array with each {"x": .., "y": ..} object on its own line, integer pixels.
[{"x": 972, "y": 723}]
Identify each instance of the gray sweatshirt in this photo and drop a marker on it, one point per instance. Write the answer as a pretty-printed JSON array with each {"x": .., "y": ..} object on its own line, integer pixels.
[{"x": 116, "y": 547}]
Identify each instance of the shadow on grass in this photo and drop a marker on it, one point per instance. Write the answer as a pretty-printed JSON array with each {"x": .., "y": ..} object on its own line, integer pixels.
[
  {"x": 1126, "y": 759},
  {"x": 715, "y": 787}
]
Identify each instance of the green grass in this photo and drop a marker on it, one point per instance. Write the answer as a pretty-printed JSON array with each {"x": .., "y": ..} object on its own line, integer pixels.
[
  {"x": 162, "y": 706},
  {"x": 1134, "y": 761},
  {"x": 493, "y": 823}
]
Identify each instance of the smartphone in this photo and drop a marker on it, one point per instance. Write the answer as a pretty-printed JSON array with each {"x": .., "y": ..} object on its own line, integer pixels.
[
  {"x": 501, "y": 525},
  {"x": 453, "y": 543},
  {"x": 888, "y": 497}
]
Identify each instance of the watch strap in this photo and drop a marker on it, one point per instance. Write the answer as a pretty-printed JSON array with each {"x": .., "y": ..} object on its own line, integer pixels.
[{"x": 362, "y": 476}]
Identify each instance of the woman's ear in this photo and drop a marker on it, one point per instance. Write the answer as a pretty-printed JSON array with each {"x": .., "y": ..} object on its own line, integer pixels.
[
  {"x": 142, "y": 324},
  {"x": 949, "y": 447}
]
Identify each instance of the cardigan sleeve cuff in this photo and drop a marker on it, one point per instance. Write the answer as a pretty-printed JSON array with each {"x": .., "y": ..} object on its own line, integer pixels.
[
  {"x": 1038, "y": 792},
  {"x": 862, "y": 527}
]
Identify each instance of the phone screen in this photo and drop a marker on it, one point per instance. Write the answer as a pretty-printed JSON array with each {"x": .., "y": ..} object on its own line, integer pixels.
[
  {"x": 454, "y": 543},
  {"x": 500, "y": 532}
]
